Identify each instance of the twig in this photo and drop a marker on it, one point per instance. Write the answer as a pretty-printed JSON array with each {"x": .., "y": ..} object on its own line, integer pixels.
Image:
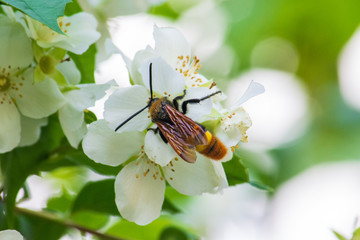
[{"x": 67, "y": 223}]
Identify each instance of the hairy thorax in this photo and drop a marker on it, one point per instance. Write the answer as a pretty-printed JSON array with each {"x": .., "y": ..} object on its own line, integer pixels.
[{"x": 158, "y": 111}]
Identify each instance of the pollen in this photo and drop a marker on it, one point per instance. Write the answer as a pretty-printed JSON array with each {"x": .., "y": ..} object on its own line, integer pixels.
[
  {"x": 232, "y": 149},
  {"x": 137, "y": 175},
  {"x": 154, "y": 176},
  {"x": 67, "y": 24},
  {"x": 171, "y": 178}
]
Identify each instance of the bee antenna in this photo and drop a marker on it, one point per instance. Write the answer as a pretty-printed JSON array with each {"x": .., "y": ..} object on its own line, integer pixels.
[
  {"x": 150, "y": 82},
  {"x": 131, "y": 117}
]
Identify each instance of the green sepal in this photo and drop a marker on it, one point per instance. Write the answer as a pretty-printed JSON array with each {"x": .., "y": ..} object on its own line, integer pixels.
[
  {"x": 57, "y": 53},
  {"x": 89, "y": 116},
  {"x": 37, "y": 51},
  {"x": 39, "y": 76},
  {"x": 67, "y": 88},
  {"x": 59, "y": 78},
  {"x": 339, "y": 236}
]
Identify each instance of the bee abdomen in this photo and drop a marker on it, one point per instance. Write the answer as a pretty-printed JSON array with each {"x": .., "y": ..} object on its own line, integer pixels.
[{"x": 215, "y": 149}]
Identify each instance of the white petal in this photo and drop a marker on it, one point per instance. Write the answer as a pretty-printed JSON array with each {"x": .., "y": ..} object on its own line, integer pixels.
[
  {"x": 10, "y": 235},
  {"x": 197, "y": 110},
  {"x": 105, "y": 146},
  {"x": 158, "y": 151},
  {"x": 37, "y": 100},
  {"x": 253, "y": 90},
  {"x": 140, "y": 58},
  {"x": 139, "y": 198},
  {"x": 31, "y": 130},
  {"x": 10, "y": 124},
  {"x": 165, "y": 80},
  {"x": 123, "y": 103},
  {"x": 70, "y": 71},
  {"x": 70, "y": 117},
  {"x": 74, "y": 136},
  {"x": 194, "y": 178},
  {"x": 220, "y": 173},
  {"x": 97, "y": 91},
  {"x": 16, "y": 50},
  {"x": 170, "y": 44}
]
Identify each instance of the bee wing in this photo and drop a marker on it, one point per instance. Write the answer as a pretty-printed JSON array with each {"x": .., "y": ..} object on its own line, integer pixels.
[
  {"x": 172, "y": 134},
  {"x": 190, "y": 130}
]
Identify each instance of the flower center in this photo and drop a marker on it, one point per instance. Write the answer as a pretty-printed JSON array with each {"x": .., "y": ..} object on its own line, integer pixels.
[
  {"x": 189, "y": 70},
  {"x": 47, "y": 64},
  {"x": 4, "y": 83}
]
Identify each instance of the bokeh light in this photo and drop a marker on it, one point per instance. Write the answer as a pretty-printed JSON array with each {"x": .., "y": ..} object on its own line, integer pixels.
[{"x": 349, "y": 71}]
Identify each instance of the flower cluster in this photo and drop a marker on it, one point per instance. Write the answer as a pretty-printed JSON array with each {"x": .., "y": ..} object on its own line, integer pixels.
[
  {"x": 37, "y": 77},
  {"x": 150, "y": 161}
]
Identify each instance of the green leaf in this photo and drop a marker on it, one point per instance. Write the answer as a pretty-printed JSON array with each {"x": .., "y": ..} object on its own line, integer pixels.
[
  {"x": 85, "y": 63},
  {"x": 170, "y": 207},
  {"x": 98, "y": 197},
  {"x": 174, "y": 233},
  {"x": 164, "y": 10},
  {"x": 236, "y": 172},
  {"x": 72, "y": 8},
  {"x": 339, "y": 236},
  {"x": 45, "y": 11},
  {"x": 129, "y": 230},
  {"x": 60, "y": 203},
  {"x": 356, "y": 234}
]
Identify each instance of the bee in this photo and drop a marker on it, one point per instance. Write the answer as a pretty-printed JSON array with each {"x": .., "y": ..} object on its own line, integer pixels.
[{"x": 183, "y": 134}]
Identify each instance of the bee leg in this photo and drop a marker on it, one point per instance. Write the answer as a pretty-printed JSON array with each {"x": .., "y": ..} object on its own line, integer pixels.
[
  {"x": 195, "y": 100},
  {"x": 156, "y": 130},
  {"x": 176, "y": 104}
]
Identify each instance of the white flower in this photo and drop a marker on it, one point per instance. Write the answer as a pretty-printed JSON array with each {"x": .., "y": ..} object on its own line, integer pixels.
[
  {"x": 173, "y": 48},
  {"x": 235, "y": 121},
  {"x": 10, "y": 235},
  {"x": 79, "y": 29},
  {"x": 18, "y": 94}
]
